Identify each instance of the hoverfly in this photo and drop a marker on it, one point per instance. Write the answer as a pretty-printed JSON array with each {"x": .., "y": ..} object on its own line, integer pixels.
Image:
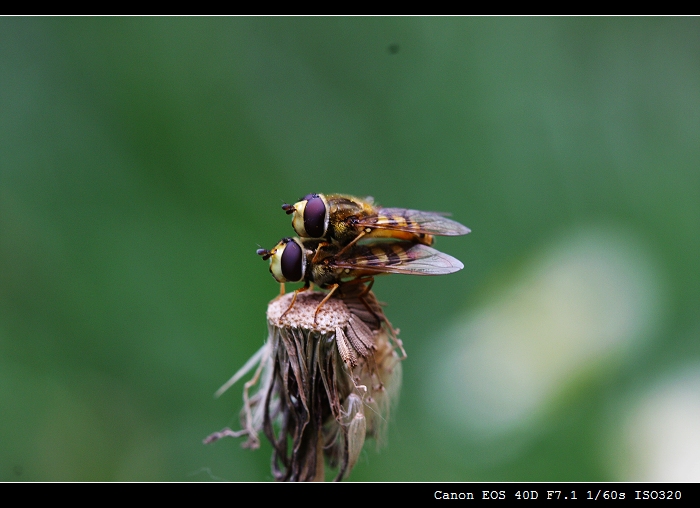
[
  {"x": 332, "y": 266},
  {"x": 343, "y": 219}
]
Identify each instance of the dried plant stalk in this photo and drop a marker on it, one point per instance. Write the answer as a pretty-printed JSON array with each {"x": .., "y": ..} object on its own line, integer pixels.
[{"x": 321, "y": 387}]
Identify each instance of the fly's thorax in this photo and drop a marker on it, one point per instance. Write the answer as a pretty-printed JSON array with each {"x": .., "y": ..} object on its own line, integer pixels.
[
  {"x": 342, "y": 230},
  {"x": 344, "y": 213},
  {"x": 344, "y": 205},
  {"x": 323, "y": 274},
  {"x": 288, "y": 261},
  {"x": 321, "y": 271},
  {"x": 311, "y": 216}
]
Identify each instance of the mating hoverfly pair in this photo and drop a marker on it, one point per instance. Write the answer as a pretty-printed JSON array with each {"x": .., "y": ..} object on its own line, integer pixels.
[{"x": 328, "y": 251}]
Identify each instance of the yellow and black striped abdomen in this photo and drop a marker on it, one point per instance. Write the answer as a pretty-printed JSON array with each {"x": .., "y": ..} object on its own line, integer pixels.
[
  {"x": 394, "y": 257},
  {"x": 388, "y": 254}
]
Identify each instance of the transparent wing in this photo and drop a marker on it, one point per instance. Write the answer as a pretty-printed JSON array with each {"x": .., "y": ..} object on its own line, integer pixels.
[
  {"x": 414, "y": 221},
  {"x": 397, "y": 257}
]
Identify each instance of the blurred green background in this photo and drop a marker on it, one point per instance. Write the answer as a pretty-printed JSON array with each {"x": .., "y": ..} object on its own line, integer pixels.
[{"x": 143, "y": 160}]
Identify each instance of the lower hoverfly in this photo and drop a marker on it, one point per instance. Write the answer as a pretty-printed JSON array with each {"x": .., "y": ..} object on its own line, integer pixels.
[
  {"x": 334, "y": 267},
  {"x": 343, "y": 219}
]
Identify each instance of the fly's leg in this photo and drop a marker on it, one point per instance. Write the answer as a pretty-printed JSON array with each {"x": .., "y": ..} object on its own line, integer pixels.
[
  {"x": 365, "y": 290},
  {"x": 318, "y": 251},
  {"x": 281, "y": 292},
  {"x": 393, "y": 332},
  {"x": 325, "y": 299},
  {"x": 354, "y": 241},
  {"x": 294, "y": 299}
]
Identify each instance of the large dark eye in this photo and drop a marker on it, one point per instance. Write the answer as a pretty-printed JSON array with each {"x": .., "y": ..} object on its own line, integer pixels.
[
  {"x": 315, "y": 217},
  {"x": 291, "y": 261}
]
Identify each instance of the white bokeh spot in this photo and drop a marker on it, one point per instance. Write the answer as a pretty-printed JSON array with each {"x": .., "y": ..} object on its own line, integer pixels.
[
  {"x": 661, "y": 440},
  {"x": 588, "y": 296}
]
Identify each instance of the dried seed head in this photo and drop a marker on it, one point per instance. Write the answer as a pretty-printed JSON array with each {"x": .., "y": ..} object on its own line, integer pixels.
[
  {"x": 323, "y": 385},
  {"x": 332, "y": 315}
]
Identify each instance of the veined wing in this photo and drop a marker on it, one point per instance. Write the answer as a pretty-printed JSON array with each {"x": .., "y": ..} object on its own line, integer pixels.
[
  {"x": 397, "y": 257},
  {"x": 414, "y": 221}
]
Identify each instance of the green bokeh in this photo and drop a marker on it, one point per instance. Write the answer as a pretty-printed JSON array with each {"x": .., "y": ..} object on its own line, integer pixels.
[{"x": 142, "y": 161}]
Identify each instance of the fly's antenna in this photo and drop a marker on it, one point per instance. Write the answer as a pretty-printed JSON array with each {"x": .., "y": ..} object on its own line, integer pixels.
[
  {"x": 266, "y": 254},
  {"x": 288, "y": 208}
]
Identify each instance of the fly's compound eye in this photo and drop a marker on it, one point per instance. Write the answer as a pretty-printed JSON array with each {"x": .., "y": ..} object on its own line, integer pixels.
[
  {"x": 287, "y": 263},
  {"x": 310, "y": 218},
  {"x": 315, "y": 217},
  {"x": 292, "y": 259}
]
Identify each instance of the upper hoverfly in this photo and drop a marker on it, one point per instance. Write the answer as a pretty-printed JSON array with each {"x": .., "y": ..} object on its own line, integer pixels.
[
  {"x": 327, "y": 266},
  {"x": 343, "y": 219}
]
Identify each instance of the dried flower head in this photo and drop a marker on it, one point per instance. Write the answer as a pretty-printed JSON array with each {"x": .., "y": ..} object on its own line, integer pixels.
[{"x": 320, "y": 388}]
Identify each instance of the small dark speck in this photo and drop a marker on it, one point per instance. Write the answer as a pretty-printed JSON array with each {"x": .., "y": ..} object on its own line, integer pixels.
[
  {"x": 17, "y": 470},
  {"x": 393, "y": 48}
]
